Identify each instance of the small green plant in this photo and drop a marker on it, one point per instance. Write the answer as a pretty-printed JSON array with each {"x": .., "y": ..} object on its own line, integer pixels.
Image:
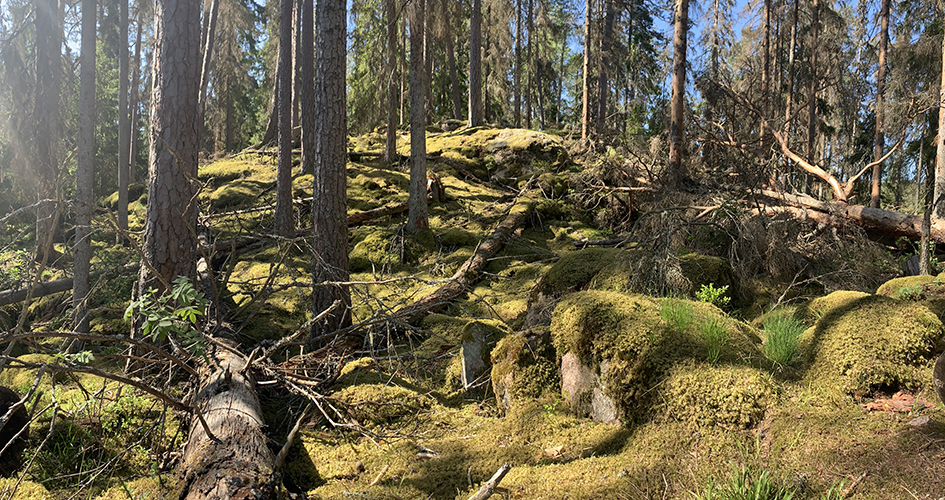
[
  {"x": 782, "y": 334},
  {"x": 715, "y": 336},
  {"x": 746, "y": 484},
  {"x": 551, "y": 408},
  {"x": 914, "y": 292},
  {"x": 677, "y": 314},
  {"x": 173, "y": 315},
  {"x": 715, "y": 296}
]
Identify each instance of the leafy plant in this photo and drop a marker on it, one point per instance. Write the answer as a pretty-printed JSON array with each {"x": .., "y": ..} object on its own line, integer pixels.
[
  {"x": 747, "y": 484},
  {"x": 173, "y": 315},
  {"x": 782, "y": 334},
  {"x": 715, "y": 296},
  {"x": 914, "y": 292},
  {"x": 715, "y": 336},
  {"x": 677, "y": 314}
]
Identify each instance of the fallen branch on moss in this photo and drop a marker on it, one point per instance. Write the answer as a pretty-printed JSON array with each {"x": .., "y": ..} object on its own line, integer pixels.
[
  {"x": 488, "y": 489},
  {"x": 14, "y": 295},
  {"x": 468, "y": 274}
]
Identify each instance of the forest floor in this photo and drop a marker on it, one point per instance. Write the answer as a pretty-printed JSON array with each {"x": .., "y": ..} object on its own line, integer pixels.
[{"x": 850, "y": 413}]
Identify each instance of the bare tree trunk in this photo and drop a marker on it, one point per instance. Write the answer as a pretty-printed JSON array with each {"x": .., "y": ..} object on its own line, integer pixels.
[
  {"x": 879, "y": 138},
  {"x": 788, "y": 111},
  {"x": 417, "y": 215},
  {"x": 812, "y": 97},
  {"x": 390, "y": 147},
  {"x": 451, "y": 61},
  {"x": 85, "y": 168},
  {"x": 676, "y": 169},
  {"x": 938, "y": 208},
  {"x": 283, "y": 224},
  {"x": 602, "y": 85},
  {"x": 209, "y": 34},
  {"x": 517, "y": 74},
  {"x": 487, "y": 72},
  {"x": 475, "y": 64},
  {"x": 296, "y": 64},
  {"x": 307, "y": 83},
  {"x": 48, "y": 52},
  {"x": 169, "y": 243},
  {"x": 133, "y": 121},
  {"x": 329, "y": 199},
  {"x": 586, "y": 89},
  {"x": 124, "y": 129},
  {"x": 529, "y": 16},
  {"x": 538, "y": 81}
]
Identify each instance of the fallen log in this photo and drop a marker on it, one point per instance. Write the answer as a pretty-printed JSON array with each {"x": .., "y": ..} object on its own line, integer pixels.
[
  {"x": 233, "y": 461},
  {"x": 45, "y": 288},
  {"x": 469, "y": 272},
  {"x": 874, "y": 219}
]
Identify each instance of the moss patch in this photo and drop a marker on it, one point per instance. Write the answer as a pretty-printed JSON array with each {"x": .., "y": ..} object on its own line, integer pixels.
[
  {"x": 894, "y": 287},
  {"x": 726, "y": 395}
]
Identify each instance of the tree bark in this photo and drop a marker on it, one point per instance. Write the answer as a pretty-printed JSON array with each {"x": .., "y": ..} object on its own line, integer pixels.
[
  {"x": 517, "y": 73},
  {"x": 879, "y": 138},
  {"x": 284, "y": 224},
  {"x": 602, "y": 84},
  {"x": 417, "y": 215},
  {"x": 451, "y": 62},
  {"x": 48, "y": 53},
  {"x": 586, "y": 82},
  {"x": 812, "y": 94},
  {"x": 307, "y": 83},
  {"x": 85, "y": 168},
  {"x": 124, "y": 127},
  {"x": 675, "y": 169},
  {"x": 390, "y": 146},
  {"x": 529, "y": 16},
  {"x": 938, "y": 208},
  {"x": 330, "y": 184},
  {"x": 238, "y": 463},
  {"x": 170, "y": 221},
  {"x": 133, "y": 118},
  {"x": 475, "y": 64},
  {"x": 209, "y": 34}
]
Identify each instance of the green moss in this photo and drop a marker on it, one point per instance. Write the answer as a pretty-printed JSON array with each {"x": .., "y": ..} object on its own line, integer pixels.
[
  {"x": 727, "y": 396},
  {"x": 25, "y": 490},
  {"x": 224, "y": 171},
  {"x": 146, "y": 488},
  {"x": 838, "y": 300},
  {"x": 454, "y": 237},
  {"x": 236, "y": 194},
  {"x": 704, "y": 270},
  {"x": 873, "y": 342},
  {"x": 373, "y": 252},
  {"x": 576, "y": 269},
  {"x": 523, "y": 367},
  {"x": 894, "y": 287}
]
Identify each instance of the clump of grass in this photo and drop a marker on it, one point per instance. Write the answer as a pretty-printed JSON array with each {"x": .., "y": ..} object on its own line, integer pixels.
[
  {"x": 746, "y": 484},
  {"x": 715, "y": 336},
  {"x": 782, "y": 334},
  {"x": 678, "y": 314}
]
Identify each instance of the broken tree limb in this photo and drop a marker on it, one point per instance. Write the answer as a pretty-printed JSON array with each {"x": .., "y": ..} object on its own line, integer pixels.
[
  {"x": 468, "y": 273},
  {"x": 14, "y": 295},
  {"x": 234, "y": 461},
  {"x": 489, "y": 487},
  {"x": 874, "y": 219}
]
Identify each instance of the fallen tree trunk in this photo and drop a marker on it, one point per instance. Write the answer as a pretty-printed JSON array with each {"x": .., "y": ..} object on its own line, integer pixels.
[
  {"x": 43, "y": 289},
  {"x": 874, "y": 219},
  {"x": 468, "y": 273},
  {"x": 233, "y": 461}
]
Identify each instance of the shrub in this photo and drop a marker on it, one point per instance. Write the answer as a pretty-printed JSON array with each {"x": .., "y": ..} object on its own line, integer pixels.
[{"x": 715, "y": 296}]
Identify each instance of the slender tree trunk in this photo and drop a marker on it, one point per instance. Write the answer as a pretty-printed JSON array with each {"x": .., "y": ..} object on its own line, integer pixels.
[
  {"x": 307, "y": 83},
  {"x": 124, "y": 128},
  {"x": 390, "y": 146},
  {"x": 879, "y": 138},
  {"x": 451, "y": 61},
  {"x": 284, "y": 225},
  {"x": 539, "y": 90},
  {"x": 517, "y": 74},
  {"x": 209, "y": 35},
  {"x": 938, "y": 208},
  {"x": 331, "y": 182},
  {"x": 487, "y": 72},
  {"x": 603, "y": 65},
  {"x": 475, "y": 64},
  {"x": 530, "y": 63},
  {"x": 85, "y": 167},
  {"x": 48, "y": 53},
  {"x": 676, "y": 170},
  {"x": 417, "y": 214},
  {"x": 428, "y": 60},
  {"x": 296, "y": 64},
  {"x": 403, "y": 74},
  {"x": 170, "y": 221},
  {"x": 788, "y": 117},
  {"x": 812, "y": 98},
  {"x": 586, "y": 89},
  {"x": 133, "y": 121}
]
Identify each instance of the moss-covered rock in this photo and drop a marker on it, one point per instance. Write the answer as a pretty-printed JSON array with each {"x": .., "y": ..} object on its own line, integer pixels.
[
  {"x": 725, "y": 395},
  {"x": 869, "y": 342},
  {"x": 834, "y": 303},
  {"x": 455, "y": 237},
  {"x": 523, "y": 366},
  {"x": 575, "y": 270},
  {"x": 237, "y": 194},
  {"x": 634, "y": 336},
  {"x": 373, "y": 252},
  {"x": 704, "y": 270},
  {"x": 900, "y": 288}
]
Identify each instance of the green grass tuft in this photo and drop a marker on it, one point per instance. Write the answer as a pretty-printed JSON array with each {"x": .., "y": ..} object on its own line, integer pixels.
[{"x": 782, "y": 335}]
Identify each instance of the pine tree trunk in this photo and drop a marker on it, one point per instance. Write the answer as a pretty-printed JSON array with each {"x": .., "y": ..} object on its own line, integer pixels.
[
  {"x": 451, "y": 61},
  {"x": 529, "y": 63},
  {"x": 283, "y": 224},
  {"x": 475, "y": 64},
  {"x": 603, "y": 65},
  {"x": 585, "y": 93},
  {"x": 517, "y": 73},
  {"x": 124, "y": 128},
  {"x": 307, "y": 83},
  {"x": 390, "y": 146},
  {"x": 85, "y": 168},
  {"x": 133, "y": 121},
  {"x": 48, "y": 51},
  {"x": 329, "y": 205},
  {"x": 209, "y": 35},
  {"x": 938, "y": 208},
  {"x": 417, "y": 214},
  {"x": 170, "y": 221},
  {"x": 879, "y": 138},
  {"x": 812, "y": 97},
  {"x": 676, "y": 170}
]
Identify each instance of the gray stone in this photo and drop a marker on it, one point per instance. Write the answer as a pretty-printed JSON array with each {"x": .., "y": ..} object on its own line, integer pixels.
[{"x": 584, "y": 390}]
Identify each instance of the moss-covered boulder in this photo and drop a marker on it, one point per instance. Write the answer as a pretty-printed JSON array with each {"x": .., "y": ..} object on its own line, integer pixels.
[
  {"x": 632, "y": 342},
  {"x": 477, "y": 338},
  {"x": 728, "y": 396},
  {"x": 504, "y": 155},
  {"x": 861, "y": 343},
  {"x": 904, "y": 287},
  {"x": 834, "y": 303},
  {"x": 703, "y": 270},
  {"x": 376, "y": 399},
  {"x": 523, "y": 367}
]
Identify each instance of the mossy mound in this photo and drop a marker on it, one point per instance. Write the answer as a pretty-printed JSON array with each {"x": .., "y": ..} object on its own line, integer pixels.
[
  {"x": 145, "y": 488},
  {"x": 376, "y": 399},
  {"x": 703, "y": 270},
  {"x": 454, "y": 237},
  {"x": 523, "y": 367},
  {"x": 575, "y": 270},
  {"x": 836, "y": 301},
  {"x": 872, "y": 342},
  {"x": 237, "y": 194},
  {"x": 728, "y": 396},
  {"x": 901, "y": 287},
  {"x": 25, "y": 490},
  {"x": 505, "y": 155},
  {"x": 373, "y": 252},
  {"x": 630, "y": 333}
]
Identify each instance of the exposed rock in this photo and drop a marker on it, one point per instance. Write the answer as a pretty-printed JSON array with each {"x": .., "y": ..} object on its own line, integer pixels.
[
  {"x": 523, "y": 367},
  {"x": 474, "y": 352}
]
